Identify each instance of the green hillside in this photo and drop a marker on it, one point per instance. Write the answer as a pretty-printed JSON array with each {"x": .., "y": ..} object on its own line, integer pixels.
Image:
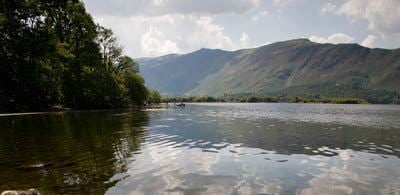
[
  {"x": 178, "y": 74},
  {"x": 290, "y": 68}
]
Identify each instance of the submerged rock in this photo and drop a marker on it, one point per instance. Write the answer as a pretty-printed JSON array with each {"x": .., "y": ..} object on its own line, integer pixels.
[
  {"x": 32, "y": 167},
  {"x": 31, "y": 191}
]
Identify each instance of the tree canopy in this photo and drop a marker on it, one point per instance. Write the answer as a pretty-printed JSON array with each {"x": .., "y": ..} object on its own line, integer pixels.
[{"x": 52, "y": 53}]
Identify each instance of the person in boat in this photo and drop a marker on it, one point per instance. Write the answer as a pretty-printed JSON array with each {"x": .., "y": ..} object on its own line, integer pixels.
[{"x": 181, "y": 104}]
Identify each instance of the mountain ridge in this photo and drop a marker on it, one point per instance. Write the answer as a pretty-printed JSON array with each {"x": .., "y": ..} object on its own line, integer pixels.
[{"x": 271, "y": 69}]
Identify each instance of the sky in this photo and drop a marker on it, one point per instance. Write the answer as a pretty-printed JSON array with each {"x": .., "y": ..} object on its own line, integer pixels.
[{"x": 148, "y": 28}]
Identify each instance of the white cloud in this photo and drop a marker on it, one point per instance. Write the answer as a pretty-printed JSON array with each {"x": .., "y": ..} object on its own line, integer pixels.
[
  {"x": 283, "y": 2},
  {"x": 335, "y": 38},
  {"x": 383, "y": 16},
  {"x": 259, "y": 15},
  {"x": 154, "y": 43},
  {"x": 144, "y": 36},
  {"x": 264, "y": 13},
  {"x": 369, "y": 41},
  {"x": 328, "y": 8},
  {"x": 210, "y": 35},
  {"x": 188, "y": 25},
  {"x": 244, "y": 40},
  {"x": 163, "y": 7}
]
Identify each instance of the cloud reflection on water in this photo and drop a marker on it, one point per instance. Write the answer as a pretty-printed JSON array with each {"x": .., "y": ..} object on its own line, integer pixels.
[{"x": 211, "y": 151}]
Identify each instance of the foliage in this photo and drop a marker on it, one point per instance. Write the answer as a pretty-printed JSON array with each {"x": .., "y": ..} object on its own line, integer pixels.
[
  {"x": 52, "y": 53},
  {"x": 221, "y": 99},
  {"x": 154, "y": 97},
  {"x": 137, "y": 92},
  {"x": 327, "y": 101},
  {"x": 259, "y": 99},
  {"x": 338, "y": 91},
  {"x": 254, "y": 99}
]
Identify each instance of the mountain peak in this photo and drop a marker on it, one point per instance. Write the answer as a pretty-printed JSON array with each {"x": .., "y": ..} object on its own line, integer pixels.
[
  {"x": 205, "y": 51},
  {"x": 300, "y": 40},
  {"x": 296, "y": 41},
  {"x": 209, "y": 49},
  {"x": 297, "y": 65}
]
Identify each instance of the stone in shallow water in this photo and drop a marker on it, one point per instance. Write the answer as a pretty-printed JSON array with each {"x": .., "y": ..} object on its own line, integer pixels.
[
  {"x": 32, "y": 167},
  {"x": 31, "y": 191}
]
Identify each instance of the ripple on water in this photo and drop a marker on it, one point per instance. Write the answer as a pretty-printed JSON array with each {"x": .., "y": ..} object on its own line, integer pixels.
[{"x": 222, "y": 149}]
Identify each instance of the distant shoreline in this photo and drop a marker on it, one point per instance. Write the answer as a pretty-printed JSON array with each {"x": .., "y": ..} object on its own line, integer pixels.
[
  {"x": 163, "y": 105},
  {"x": 270, "y": 99}
]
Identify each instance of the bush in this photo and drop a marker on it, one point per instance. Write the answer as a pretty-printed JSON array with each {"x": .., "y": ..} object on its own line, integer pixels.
[{"x": 154, "y": 97}]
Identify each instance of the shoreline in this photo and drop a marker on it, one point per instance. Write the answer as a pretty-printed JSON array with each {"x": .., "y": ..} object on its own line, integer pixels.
[{"x": 162, "y": 105}]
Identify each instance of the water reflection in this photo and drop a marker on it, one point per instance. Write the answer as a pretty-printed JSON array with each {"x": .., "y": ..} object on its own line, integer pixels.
[
  {"x": 68, "y": 153},
  {"x": 206, "y": 149},
  {"x": 209, "y": 150}
]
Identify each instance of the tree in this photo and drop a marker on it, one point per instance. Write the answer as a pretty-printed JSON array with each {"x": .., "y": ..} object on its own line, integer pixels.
[
  {"x": 154, "y": 97},
  {"x": 127, "y": 63},
  {"x": 137, "y": 92},
  {"x": 109, "y": 48},
  {"x": 52, "y": 53}
]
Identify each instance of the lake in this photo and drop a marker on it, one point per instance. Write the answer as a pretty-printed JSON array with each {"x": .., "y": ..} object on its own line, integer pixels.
[{"x": 215, "y": 148}]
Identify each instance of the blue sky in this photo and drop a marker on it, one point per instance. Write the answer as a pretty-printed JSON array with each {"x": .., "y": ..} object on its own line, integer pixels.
[{"x": 159, "y": 27}]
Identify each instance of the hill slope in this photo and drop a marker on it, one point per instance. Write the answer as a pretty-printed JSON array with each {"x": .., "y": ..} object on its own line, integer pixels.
[
  {"x": 295, "y": 67},
  {"x": 178, "y": 74}
]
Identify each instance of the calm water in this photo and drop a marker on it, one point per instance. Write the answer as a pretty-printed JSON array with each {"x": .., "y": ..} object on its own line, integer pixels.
[{"x": 205, "y": 149}]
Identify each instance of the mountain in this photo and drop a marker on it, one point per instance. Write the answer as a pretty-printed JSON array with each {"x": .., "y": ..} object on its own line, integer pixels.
[
  {"x": 178, "y": 74},
  {"x": 294, "y": 67}
]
